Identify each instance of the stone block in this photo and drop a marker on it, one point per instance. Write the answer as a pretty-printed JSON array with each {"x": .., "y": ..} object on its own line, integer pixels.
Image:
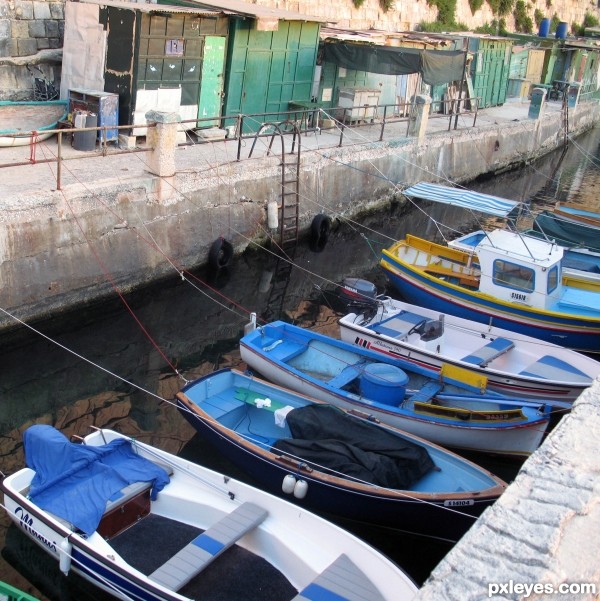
[
  {"x": 37, "y": 28},
  {"x": 27, "y": 47},
  {"x": 52, "y": 30},
  {"x": 23, "y": 9},
  {"x": 13, "y": 47},
  {"x": 57, "y": 10},
  {"x": 41, "y": 10},
  {"x": 43, "y": 43},
  {"x": 55, "y": 42},
  {"x": 20, "y": 29}
]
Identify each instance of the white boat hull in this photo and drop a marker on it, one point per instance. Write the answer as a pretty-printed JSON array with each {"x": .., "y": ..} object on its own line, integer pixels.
[
  {"x": 517, "y": 440},
  {"x": 299, "y": 544},
  {"x": 461, "y": 338}
]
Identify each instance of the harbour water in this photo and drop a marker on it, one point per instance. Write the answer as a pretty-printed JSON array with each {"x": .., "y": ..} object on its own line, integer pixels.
[{"x": 106, "y": 364}]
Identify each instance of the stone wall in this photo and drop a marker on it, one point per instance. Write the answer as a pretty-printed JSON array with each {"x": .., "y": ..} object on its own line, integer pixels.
[
  {"x": 31, "y": 31},
  {"x": 542, "y": 532}
]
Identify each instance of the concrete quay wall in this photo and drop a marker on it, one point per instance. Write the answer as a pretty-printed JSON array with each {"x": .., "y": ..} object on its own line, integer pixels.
[
  {"x": 542, "y": 534},
  {"x": 62, "y": 248}
]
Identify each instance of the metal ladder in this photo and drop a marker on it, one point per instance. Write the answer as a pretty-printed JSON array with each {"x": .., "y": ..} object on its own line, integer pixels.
[{"x": 289, "y": 214}]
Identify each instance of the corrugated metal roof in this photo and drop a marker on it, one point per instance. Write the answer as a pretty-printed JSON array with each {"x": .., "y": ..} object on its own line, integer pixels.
[
  {"x": 484, "y": 203},
  {"x": 164, "y": 8},
  {"x": 259, "y": 12},
  {"x": 386, "y": 38}
]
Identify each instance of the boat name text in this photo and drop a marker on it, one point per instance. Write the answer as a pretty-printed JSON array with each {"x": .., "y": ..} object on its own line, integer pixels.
[{"x": 26, "y": 523}]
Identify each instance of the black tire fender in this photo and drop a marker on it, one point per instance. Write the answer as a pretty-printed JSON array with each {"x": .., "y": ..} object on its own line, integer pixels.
[
  {"x": 220, "y": 253},
  {"x": 320, "y": 228}
]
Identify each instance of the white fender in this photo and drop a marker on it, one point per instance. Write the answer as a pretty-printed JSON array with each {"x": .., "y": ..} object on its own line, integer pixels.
[
  {"x": 300, "y": 489},
  {"x": 64, "y": 554},
  {"x": 288, "y": 485}
]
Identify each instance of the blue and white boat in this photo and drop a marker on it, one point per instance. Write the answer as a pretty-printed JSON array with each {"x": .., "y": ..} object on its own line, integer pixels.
[
  {"x": 579, "y": 263},
  {"x": 451, "y": 407},
  {"x": 336, "y": 461},
  {"x": 142, "y": 524},
  {"x": 510, "y": 280},
  {"x": 513, "y": 364}
]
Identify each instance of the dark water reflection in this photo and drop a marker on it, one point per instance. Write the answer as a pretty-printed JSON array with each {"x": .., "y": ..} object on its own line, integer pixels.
[{"x": 194, "y": 327}]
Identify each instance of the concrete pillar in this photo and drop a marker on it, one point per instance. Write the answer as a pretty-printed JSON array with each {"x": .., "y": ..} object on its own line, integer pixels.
[
  {"x": 537, "y": 104},
  {"x": 419, "y": 116},
  {"x": 161, "y": 136}
]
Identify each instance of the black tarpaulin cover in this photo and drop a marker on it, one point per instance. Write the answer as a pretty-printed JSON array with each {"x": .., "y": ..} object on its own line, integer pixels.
[
  {"x": 435, "y": 66},
  {"x": 326, "y": 436}
]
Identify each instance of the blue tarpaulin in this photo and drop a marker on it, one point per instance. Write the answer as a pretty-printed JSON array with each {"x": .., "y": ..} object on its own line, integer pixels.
[
  {"x": 74, "y": 481},
  {"x": 475, "y": 201}
]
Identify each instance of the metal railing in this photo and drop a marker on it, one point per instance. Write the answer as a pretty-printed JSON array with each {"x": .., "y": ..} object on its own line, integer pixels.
[{"x": 241, "y": 128}]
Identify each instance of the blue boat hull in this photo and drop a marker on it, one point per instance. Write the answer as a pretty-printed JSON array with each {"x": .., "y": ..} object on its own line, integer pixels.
[
  {"x": 414, "y": 516},
  {"x": 440, "y": 297}
]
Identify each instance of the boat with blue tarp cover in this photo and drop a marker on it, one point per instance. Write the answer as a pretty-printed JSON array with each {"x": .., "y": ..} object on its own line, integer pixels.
[
  {"x": 141, "y": 523},
  {"x": 337, "y": 461},
  {"x": 512, "y": 363},
  {"x": 577, "y": 214},
  {"x": 511, "y": 280},
  {"x": 450, "y": 407},
  {"x": 550, "y": 226}
]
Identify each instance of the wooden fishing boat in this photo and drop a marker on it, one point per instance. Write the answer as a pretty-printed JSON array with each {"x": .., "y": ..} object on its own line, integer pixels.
[
  {"x": 143, "y": 524},
  {"x": 574, "y": 213},
  {"x": 24, "y": 123},
  {"x": 336, "y": 461},
  {"x": 512, "y": 363},
  {"x": 450, "y": 407},
  {"x": 512, "y": 280}
]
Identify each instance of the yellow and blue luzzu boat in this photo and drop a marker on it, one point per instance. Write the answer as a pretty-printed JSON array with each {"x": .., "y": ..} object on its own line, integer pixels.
[{"x": 509, "y": 279}]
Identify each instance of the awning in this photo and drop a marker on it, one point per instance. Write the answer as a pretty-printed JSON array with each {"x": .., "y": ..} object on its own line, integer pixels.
[
  {"x": 484, "y": 203},
  {"x": 435, "y": 66}
]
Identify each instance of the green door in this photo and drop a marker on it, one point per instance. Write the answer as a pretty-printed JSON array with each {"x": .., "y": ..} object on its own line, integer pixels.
[
  {"x": 211, "y": 84},
  {"x": 256, "y": 82}
]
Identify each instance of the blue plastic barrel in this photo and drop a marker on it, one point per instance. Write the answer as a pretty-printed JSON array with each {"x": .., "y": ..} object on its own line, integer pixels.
[
  {"x": 562, "y": 30},
  {"x": 544, "y": 28},
  {"x": 383, "y": 383}
]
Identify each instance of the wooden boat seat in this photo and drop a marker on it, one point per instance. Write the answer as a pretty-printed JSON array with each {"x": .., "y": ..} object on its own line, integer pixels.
[
  {"x": 492, "y": 350},
  {"x": 399, "y": 325},
  {"x": 551, "y": 368},
  {"x": 342, "y": 581},
  {"x": 345, "y": 376},
  {"x": 206, "y": 547}
]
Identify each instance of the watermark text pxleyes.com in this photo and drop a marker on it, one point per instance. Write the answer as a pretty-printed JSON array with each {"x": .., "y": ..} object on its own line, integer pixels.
[{"x": 525, "y": 589}]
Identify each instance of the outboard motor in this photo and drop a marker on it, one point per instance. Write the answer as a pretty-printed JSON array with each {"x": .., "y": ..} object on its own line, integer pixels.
[
  {"x": 432, "y": 334},
  {"x": 431, "y": 329},
  {"x": 358, "y": 296}
]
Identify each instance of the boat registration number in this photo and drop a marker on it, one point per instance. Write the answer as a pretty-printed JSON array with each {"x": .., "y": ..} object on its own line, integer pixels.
[{"x": 459, "y": 503}]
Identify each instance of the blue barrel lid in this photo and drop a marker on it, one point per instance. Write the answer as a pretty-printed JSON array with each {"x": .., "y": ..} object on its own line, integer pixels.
[{"x": 385, "y": 374}]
